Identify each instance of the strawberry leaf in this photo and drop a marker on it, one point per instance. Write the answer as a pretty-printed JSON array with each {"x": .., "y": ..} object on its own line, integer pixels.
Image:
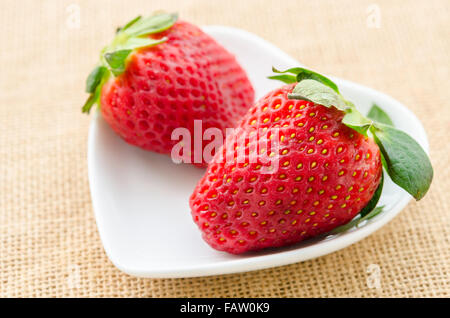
[
  {"x": 88, "y": 104},
  {"x": 116, "y": 61},
  {"x": 288, "y": 79},
  {"x": 355, "y": 120},
  {"x": 153, "y": 24},
  {"x": 303, "y": 73},
  {"x": 94, "y": 97},
  {"x": 95, "y": 78},
  {"x": 406, "y": 162},
  {"x": 307, "y": 74},
  {"x": 378, "y": 115},
  {"x": 129, "y": 24},
  {"x": 318, "y": 93},
  {"x": 136, "y": 43},
  {"x": 94, "y": 85}
]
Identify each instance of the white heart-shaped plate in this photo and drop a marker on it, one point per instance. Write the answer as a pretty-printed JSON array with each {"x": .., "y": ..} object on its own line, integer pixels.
[{"x": 141, "y": 199}]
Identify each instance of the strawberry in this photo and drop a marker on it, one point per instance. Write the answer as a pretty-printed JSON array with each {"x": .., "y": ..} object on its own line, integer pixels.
[
  {"x": 159, "y": 74},
  {"x": 329, "y": 168}
]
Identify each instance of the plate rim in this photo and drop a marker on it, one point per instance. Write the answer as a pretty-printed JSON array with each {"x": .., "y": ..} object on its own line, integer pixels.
[{"x": 258, "y": 262}]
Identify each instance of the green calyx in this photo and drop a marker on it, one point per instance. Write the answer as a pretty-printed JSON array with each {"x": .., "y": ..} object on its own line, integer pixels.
[
  {"x": 405, "y": 161},
  {"x": 113, "y": 58}
]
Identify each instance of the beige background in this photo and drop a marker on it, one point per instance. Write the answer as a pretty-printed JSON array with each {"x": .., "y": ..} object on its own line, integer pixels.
[{"x": 49, "y": 244}]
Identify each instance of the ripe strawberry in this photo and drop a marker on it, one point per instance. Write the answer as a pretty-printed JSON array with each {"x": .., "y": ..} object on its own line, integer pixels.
[
  {"x": 159, "y": 74},
  {"x": 328, "y": 172}
]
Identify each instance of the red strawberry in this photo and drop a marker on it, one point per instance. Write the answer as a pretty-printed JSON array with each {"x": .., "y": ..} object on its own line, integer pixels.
[
  {"x": 327, "y": 174},
  {"x": 177, "y": 75}
]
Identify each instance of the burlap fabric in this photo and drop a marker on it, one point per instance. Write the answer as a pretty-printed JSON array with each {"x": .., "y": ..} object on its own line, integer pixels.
[{"x": 49, "y": 244}]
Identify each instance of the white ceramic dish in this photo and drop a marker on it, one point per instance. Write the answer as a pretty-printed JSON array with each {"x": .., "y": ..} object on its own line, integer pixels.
[{"x": 140, "y": 198}]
